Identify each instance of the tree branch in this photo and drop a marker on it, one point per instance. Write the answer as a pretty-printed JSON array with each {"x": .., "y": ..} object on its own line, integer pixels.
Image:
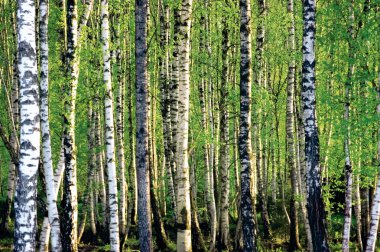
[{"x": 12, "y": 152}]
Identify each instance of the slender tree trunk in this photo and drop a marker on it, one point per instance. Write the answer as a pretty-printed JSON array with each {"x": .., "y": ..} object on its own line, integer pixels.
[
  {"x": 183, "y": 191},
  {"x": 357, "y": 207},
  {"x": 302, "y": 173},
  {"x": 245, "y": 148},
  {"x": 142, "y": 115},
  {"x": 132, "y": 188},
  {"x": 206, "y": 102},
  {"x": 259, "y": 82},
  {"x": 14, "y": 141},
  {"x": 100, "y": 163},
  {"x": 45, "y": 130},
  {"x": 348, "y": 166},
  {"x": 315, "y": 205},
  {"x": 174, "y": 99},
  {"x": 161, "y": 238},
  {"x": 132, "y": 210},
  {"x": 26, "y": 187},
  {"x": 15, "y": 145},
  {"x": 294, "y": 234},
  {"x": 110, "y": 133},
  {"x": 120, "y": 142},
  {"x": 364, "y": 195},
  {"x": 69, "y": 202},
  {"x": 224, "y": 234},
  {"x": 198, "y": 243},
  {"x": 375, "y": 209},
  {"x": 165, "y": 96},
  {"x": 88, "y": 197},
  {"x": 45, "y": 229}
]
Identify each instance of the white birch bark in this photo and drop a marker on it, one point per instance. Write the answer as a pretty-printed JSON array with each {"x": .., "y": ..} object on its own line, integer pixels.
[
  {"x": 110, "y": 133},
  {"x": 100, "y": 164},
  {"x": 183, "y": 185},
  {"x": 165, "y": 96},
  {"x": 290, "y": 135},
  {"x": 69, "y": 219},
  {"x": 315, "y": 205},
  {"x": 45, "y": 228},
  {"x": 45, "y": 130},
  {"x": 348, "y": 166},
  {"x": 26, "y": 187},
  {"x": 224, "y": 223},
  {"x": 120, "y": 143},
  {"x": 375, "y": 209}
]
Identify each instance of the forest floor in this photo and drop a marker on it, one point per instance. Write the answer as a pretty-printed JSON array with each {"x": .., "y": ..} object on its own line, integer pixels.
[{"x": 279, "y": 242}]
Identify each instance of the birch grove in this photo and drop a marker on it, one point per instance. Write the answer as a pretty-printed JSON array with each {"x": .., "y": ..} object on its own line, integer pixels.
[{"x": 158, "y": 125}]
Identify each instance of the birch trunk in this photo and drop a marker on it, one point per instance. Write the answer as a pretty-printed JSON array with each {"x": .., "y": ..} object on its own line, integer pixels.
[
  {"x": 224, "y": 235},
  {"x": 358, "y": 209},
  {"x": 14, "y": 141},
  {"x": 174, "y": 99},
  {"x": 45, "y": 130},
  {"x": 142, "y": 114},
  {"x": 348, "y": 166},
  {"x": 301, "y": 173},
  {"x": 88, "y": 197},
  {"x": 120, "y": 142},
  {"x": 161, "y": 238},
  {"x": 45, "y": 229},
  {"x": 110, "y": 133},
  {"x": 315, "y": 205},
  {"x": 165, "y": 96},
  {"x": 206, "y": 102},
  {"x": 375, "y": 209},
  {"x": 183, "y": 185},
  {"x": 100, "y": 163},
  {"x": 245, "y": 148},
  {"x": 132, "y": 210},
  {"x": 15, "y": 145},
  {"x": 25, "y": 204},
  {"x": 365, "y": 218},
  {"x": 70, "y": 202},
  {"x": 294, "y": 234},
  {"x": 198, "y": 243}
]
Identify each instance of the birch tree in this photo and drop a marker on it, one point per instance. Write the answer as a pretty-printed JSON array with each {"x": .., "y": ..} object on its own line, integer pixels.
[
  {"x": 375, "y": 209},
  {"x": 245, "y": 148},
  {"x": 142, "y": 113},
  {"x": 348, "y": 166},
  {"x": 70, "y": 202},
  {"x": 45, "y": 130},
  {"x": 29, "y": 155},
  {"x": 225, "y": 145},
  {"x": 110, "y": 133},
  {"x": 183, "y": 172},
  {"x": 294, "y": 235},
  {"x": 315, "y": 205},
  {"x": 165, "y": 94}
]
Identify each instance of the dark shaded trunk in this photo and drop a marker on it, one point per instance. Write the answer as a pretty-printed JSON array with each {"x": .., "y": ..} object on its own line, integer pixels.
[
  {"x": 364, "y": 196},
  {"x": 315, "y": 204},
  {"x": 245, "y": 149},
  {"x": 69, "y": 202},
  {"x": 142, "y": 110},
  {"x": 161, "y": 238}
]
